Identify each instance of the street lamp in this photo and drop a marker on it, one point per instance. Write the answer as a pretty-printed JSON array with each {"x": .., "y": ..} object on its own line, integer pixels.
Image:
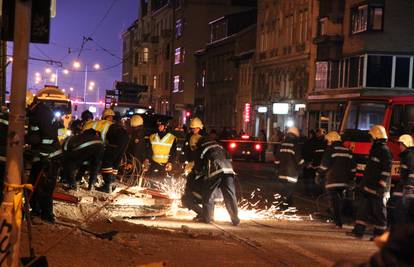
[{"x": 96, "y": 66}]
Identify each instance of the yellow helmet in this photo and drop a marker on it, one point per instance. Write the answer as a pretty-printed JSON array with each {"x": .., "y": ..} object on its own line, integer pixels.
[
  {"x": 332, "y": 137},
  {"x": 107, "y": 112},
  {"x": 406, "y": 140},
  {"x": 136, "y": 120},
  {"x": 196, "y": 123},
  {"x": 294, "y": 131},
  {"x": 378, "y": 132},
  {"x": 29, "y": 98}
]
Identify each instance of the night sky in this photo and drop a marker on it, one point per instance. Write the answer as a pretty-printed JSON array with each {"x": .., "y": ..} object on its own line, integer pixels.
[{"x": 75, "y": 19}]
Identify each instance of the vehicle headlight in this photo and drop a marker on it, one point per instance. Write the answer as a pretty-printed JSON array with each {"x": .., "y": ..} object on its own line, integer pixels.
[{"x": 58, "y": 114}]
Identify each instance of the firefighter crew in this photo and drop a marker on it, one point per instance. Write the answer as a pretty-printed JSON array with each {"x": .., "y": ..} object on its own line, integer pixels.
[
  {"x": 117, "y": 139},
  {"x": 162, "y": 149},
  {"x": 64, "y": 130},
  {"x": 137, "y": 146},
  {"x": 86, "y": 147},
  {"x": 375, "y": 186},
  {"x": 338, "y": 169},
  {"x": 215, "y": 165},
  {"x": 403, "y": 194},
  {"x": 288, "y": 165},
  {"x": 192, "y": 197},
  {"x": 4, "y": 126},
  {"x": 42, "y": 137}
]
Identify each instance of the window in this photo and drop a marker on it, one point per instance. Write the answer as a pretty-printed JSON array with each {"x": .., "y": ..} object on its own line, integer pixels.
[
  {"x": 136, "y": 59},
  {"x": 323, "y": 22},
  {"x": 402, "y": 120},
  {"x": 321, "y": 75},
  {"x": 353, "y": 71},
  {"x": 379, "y": 71},
  {"x": 203, "y": 78},
  {"x": 178, "y": 55},
  {"x": 176, "y": 85},
  {"x": 178, "y": 28},
  {"x": 366, "y": 17},
  {"x": 154, "y": 82},
  {"x": 167, "y": 51},
  {"x": 402, "y": 71},
  {"x": 362, "y": 116},
  {"x": 145, "y": 55}
]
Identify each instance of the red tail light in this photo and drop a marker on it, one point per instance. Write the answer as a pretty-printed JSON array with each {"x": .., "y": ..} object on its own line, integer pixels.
[
  {"x": 232, "y": 145},
  {"x": 258, "y": 147}
]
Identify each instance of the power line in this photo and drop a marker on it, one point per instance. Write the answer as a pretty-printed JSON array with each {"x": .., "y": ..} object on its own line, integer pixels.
[{"x": 103, "y": 18}]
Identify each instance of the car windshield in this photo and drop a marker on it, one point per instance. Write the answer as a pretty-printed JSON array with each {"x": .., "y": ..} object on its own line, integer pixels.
[{"x": 363, "y": 115}]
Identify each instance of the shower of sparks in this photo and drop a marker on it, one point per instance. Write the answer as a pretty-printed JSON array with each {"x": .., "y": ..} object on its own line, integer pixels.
[{"x": 258, "y": 207}]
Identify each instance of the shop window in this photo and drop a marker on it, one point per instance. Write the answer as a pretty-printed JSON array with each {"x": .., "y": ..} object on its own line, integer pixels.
[
  {"x": 379, "y": 71},
  {"x": 402, "y": 71}
]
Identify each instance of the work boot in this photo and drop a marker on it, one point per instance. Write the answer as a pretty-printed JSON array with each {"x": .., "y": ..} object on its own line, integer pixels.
[
  {"x": 91, "y": 187},
  {"x": 235, "y": 221}
]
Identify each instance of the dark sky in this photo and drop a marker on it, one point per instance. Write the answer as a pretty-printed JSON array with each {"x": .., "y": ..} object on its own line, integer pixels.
[{"x": 75, "y": 19}]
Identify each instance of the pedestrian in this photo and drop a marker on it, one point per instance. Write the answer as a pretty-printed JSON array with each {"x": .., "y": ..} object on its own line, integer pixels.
[
  {"x": 43, "y": 139},
  {"x": 288, "y": 165},
  {"x": 403, "y": 195},
  {"x": 263, "y": 139},
  {"x": 192, "y": 197},
  {"x": 338, "y": 169},
  {"x": 375, "y": 186},
  {"x": 215, "y": 165},
  {"x": 162, "y": 150}
]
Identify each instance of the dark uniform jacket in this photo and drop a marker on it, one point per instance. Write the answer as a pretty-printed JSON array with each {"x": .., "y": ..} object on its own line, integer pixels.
[
  {"x": 377, "y": 175},
  {"x": 137, "y": 146},
  {"x": 338, "y": 166},
  {"x": 406, "y": 182},
  {"x": 212, "y": 160},
  {"x": 82, "y": 140},
  {"x": 318, "y": 146},
  {"x": 289, "y": 160}
]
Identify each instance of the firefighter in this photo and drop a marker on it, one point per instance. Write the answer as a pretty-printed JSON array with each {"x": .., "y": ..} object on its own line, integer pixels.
[
  {"x": 288, "y": 163},
  {"x": 42, "y": 137},
  {"x": 338, "y": 168},
  {"x": 192, "y": 194},
  {"x": 215, "y": 165},
  {"x": 101, "y": 126},
  {"x": 375, "y": 186},
  {"x": 4, "y": 126},
  {"x": 117, "y": 140},
  {"x": 137, "y": 147},
  {"x": 403, "y": 194},
  {"x": 86, "y": 147},
  {"x": 162, "y": 149}
]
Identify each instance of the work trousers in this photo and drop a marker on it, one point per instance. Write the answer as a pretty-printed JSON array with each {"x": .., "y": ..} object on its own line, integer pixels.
[
  {"x": 192, "y": 197},
  {"x": 288, "y": 189},
  {"x": 111, "y": 161},
  {"x": 227, "y": 186},
  {"x": 337, "y": 199},
  {"x": 404, "y": 208},
  {"x": 372, "y": 210},
  {"x": 73, "y": 160}
]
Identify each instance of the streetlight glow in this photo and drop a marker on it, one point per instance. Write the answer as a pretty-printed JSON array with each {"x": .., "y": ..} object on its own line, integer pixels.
[
  {"x": 48, "y": 70},
  {"x": 71, "y": 89},
  {"x": 65, "y": 71},
  {"x": 76, "y": 64},
  {"x": 37, "y": 74},
  {"x": 90, "y": 87},
  {"x": 92, "y": 83},
  {"x": 97, "y": 66}
]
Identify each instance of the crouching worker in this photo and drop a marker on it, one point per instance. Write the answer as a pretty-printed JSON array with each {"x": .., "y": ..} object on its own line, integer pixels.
[
  {"x": 338, "y": 170},
  {"x": 214, "y": 164}
]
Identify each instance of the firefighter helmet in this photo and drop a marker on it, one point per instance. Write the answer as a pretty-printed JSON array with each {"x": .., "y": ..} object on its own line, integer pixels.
[
  {"x": 294, "y": 131},
  {"x": 196, "y": 123},
  {"x": 406, "y": 140},
  {"x": 29, "y": 98},
  {"x": 136, "y": 120},
  {"x": 378, "y": 132},
  {"x": 108, "y": 112},
  {"x": 332, "y": 137}
]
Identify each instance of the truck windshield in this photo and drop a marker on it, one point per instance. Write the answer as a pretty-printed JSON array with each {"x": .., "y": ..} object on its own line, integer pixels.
[{"x": 362, "y": 115}]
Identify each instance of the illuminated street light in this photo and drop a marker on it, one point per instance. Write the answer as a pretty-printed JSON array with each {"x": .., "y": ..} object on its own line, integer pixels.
[
  {"x": 96, "y": 66},
  {"x": 71, "y": 89},
  {"x": 76, "y": 64},
  {"x": 90, "y": 88},
  {"x": 92, "y": 83},
  {"x": 65, "y": 71},
  {"x": 54, "y": 75},
  {"x": 63, "y": 90},
  {"x": 48, "y": 70},
  {"x": 37, "y": 74}
]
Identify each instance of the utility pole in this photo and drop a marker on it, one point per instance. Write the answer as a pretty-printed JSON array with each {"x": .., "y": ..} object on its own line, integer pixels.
[{"x": 11, "y": 208}]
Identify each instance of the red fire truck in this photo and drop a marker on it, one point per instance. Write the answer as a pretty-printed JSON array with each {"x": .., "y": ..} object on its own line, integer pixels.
[{"x": 395, "y": 113}]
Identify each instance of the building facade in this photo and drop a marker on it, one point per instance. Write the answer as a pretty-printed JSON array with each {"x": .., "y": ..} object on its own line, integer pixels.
[
  {"x": 220, "y": 94},
  {"x": 164, "y": 40},
  {"x": 282, "y": 63},
  {"x": 364, "y": 48}
]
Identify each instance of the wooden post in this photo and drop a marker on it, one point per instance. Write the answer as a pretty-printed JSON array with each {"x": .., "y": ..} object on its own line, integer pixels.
[{"x": 10, "y": 223}]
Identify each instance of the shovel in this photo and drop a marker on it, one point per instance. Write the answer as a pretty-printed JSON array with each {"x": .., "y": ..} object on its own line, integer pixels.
[
  {"x": 32, "y": 260},
  {"x": 105, "y": 235}
]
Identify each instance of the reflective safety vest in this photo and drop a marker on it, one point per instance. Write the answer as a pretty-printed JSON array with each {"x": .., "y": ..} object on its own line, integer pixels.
[
  {"x": 101, "y": 126},
  {"x": 161, "y": 148},
  {"x": 63, "y": 133}
]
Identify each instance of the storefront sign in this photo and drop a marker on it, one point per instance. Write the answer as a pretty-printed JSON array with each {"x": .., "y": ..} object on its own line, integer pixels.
[
  {"x": 262, "y": 109},
  {"x": 280, "y": 108}
]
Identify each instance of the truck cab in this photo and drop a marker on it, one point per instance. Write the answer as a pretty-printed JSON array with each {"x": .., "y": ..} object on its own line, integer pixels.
[{"x": 395, "y": 113}]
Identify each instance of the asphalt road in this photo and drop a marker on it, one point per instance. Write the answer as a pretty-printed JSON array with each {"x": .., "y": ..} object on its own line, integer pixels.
[{"x": 281, "y": 242}]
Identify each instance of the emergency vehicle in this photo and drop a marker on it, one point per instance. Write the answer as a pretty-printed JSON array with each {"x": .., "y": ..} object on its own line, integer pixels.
[{"x": 395, "y": 113}]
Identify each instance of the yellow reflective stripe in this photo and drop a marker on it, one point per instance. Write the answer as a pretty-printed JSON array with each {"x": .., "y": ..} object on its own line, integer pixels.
[
  {"x": 6, "y": 122},
  {"x": 86, "y": 144},
  {"x": 47, "y": 141},
  {"x": 105, "y": 130}
]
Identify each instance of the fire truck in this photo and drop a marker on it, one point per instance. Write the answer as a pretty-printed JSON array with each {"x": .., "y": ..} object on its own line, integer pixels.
[{"x": 395, "y": 113}]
